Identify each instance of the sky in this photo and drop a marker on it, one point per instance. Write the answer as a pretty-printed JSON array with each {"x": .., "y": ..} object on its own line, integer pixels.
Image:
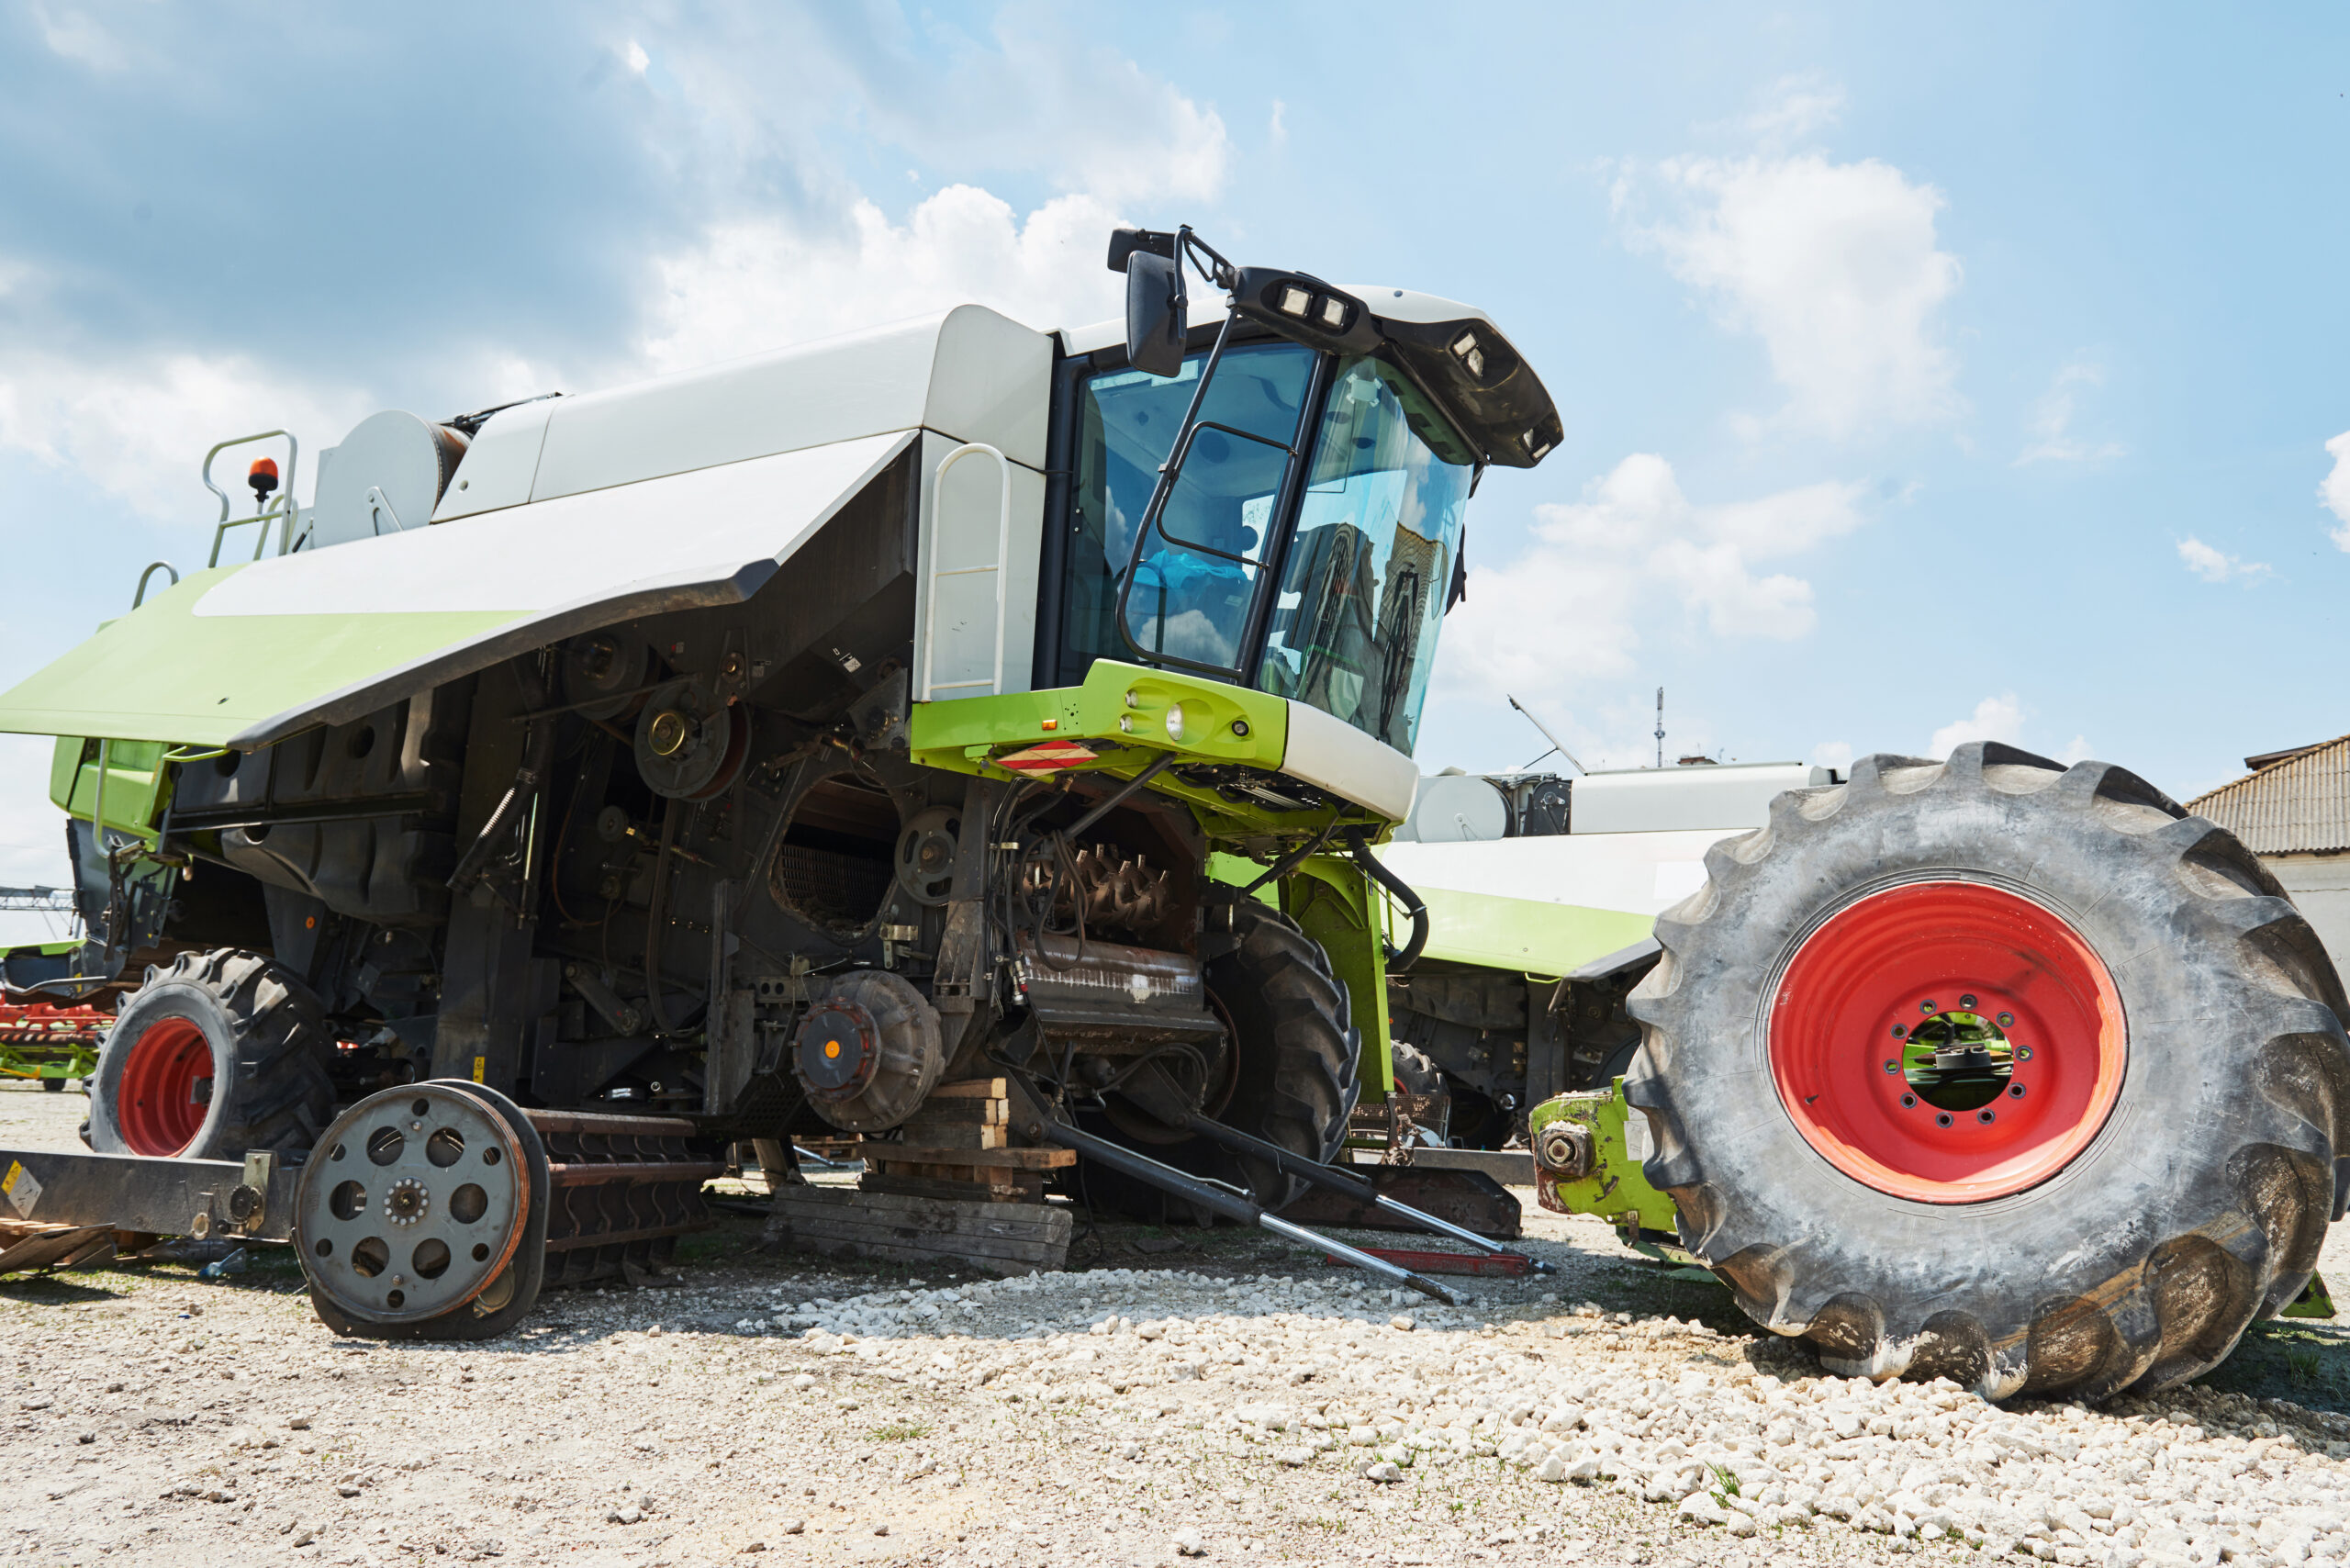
[{"x": 1928, "y": 374}]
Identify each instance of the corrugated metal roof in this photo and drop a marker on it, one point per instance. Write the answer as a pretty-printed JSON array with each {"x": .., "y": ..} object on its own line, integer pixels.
[{"x": 2298, "y": 806}]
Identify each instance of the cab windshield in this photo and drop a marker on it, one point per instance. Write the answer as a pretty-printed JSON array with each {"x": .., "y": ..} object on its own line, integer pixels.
[
  {"x": 1350, "y": 624},
  {"x": 1370, "y": 568}
]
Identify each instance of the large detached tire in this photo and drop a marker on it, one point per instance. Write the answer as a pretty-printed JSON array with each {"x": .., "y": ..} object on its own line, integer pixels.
[
  {"x": 1294, "y": 1081},
  {"x": 1997, "y": 1071},
  {"x": 220, "y": 1054}
]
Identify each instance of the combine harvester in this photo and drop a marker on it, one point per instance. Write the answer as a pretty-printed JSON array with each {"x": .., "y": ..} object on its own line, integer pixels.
[{"x": 973, "y": 739}]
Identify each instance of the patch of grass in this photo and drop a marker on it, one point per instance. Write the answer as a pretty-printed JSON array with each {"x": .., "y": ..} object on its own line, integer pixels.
[
  {"x": 2288, "y": 1359},
  {"x": 898, "y": 1432}
]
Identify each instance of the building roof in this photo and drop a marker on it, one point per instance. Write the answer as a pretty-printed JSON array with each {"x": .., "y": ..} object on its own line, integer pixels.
[{"x": 2294, "y": 802}]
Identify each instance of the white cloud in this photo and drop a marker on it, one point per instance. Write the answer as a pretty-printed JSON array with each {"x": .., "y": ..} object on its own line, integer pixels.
[
  {"x": 1835, "y": 266},
  {"x": 1800, "y": 107},
  {"x": 1277, "y": 130},
  {"x": 761, "y": 282},
  {"x": 1837, "y": 755},
  {"x": 77, "y": 36},
  {"x": 635, "y": 57},
  {"x": 138, "y": 426},
  {"x": 2334, "y": 489},
  {"x": 1994, "y": 718},
  {"x": 2217, "y": 566},
  {"x": 2052, "y": 439},
  {"x": 2078, "y": 749},
  {"x": 1564, "y": 612}
]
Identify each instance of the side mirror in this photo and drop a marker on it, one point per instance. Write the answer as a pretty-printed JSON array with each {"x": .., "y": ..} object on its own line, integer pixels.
[{"x": 1155, "y": 313}]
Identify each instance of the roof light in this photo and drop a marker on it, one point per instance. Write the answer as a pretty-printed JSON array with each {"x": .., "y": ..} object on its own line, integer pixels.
[
  {"x": 263, "y": 475},
  {"x": 1334, "y": 313},
  {"x": 1470, "y": 354},
  {"x": 1535, "y": 445},
  {"x": 1294, "y": 301}
]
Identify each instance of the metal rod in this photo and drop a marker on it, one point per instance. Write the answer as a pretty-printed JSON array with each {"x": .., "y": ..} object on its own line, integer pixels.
[
  {"x": 1222, "y": 1200},
  {"x": 1346, "y": 1181},
  {"x": 1118, "y": 797}
]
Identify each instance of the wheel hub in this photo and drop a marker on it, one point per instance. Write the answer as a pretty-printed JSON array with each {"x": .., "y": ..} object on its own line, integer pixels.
[
  {"x": 165, "y": 1090},
  {"x": 1947, "y": 1042}
]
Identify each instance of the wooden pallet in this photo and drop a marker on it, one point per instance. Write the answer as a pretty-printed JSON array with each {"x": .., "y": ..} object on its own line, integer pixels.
[
  {"x": 997, "y": 1238},
  {"x": 954, "y": 1147}
]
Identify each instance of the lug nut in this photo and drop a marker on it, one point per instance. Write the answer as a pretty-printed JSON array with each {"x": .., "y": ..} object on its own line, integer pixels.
[
  {"x": 1987, "y": 1117},
  {"x": 2006, "y": 1020},
  {"x": 1901, "y": 1031},
  {"x": 1928, "y": 1007},
  {"x": 1942, "y": 1119},
  {"x": 1892, "y": 1066},
  {"x": 2015, "y": 1091},
  {"x": 1908, "y": 1101},
  {"x": 1967, "y": 1004}
]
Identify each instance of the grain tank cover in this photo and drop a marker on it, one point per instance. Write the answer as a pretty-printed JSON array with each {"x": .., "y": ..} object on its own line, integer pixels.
[{"x": 692, "y": 490}]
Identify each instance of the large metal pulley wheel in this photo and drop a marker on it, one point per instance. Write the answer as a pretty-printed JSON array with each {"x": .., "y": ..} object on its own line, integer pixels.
[
  {"x": 422, "y": 1212},
  {"x": 691, "y": 745},
  {"x": 926, "y": 855}
]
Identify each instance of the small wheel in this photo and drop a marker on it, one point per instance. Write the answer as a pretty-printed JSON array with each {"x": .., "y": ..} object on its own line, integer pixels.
[
  {"x": 222, "y": 1053},
  {"x": 422, "y": 1214}
]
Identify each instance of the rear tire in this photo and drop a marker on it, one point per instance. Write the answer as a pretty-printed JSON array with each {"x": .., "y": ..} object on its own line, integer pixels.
[
  {"x": 2133, "y": 1193},
  {"x": 222, "y": 1053},
  {"x": 1297, "y": 1077}
]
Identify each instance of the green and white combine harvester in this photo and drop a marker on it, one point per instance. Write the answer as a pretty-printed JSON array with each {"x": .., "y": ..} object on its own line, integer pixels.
[{"x": 809, "y": 744}]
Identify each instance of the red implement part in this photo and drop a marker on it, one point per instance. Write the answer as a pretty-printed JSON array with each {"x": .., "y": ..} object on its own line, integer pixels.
[
  {"x": 1511, "y": 1263},
  {"x": 38, "y": 1024}
]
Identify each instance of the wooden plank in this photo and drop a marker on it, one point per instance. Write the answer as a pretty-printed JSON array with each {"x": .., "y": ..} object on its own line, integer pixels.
[
  {"x": 971, "y": 1089},
  {"x": 1002, "y": 1187},
  {"x": 1014, "y": 1159},
  {"x": 969, "y": 1134},
  {"x": 1000, "y": 1238}
]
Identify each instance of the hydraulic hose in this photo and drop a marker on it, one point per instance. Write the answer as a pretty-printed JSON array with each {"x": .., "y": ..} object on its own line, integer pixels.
[{"x": 1397, "y": 962}]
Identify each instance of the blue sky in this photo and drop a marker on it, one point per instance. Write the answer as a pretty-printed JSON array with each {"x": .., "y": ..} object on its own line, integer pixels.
[{"x": 1927, "y": 373}]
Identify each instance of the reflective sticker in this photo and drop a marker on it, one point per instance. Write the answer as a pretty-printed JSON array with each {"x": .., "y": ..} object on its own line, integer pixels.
[
  {"x": 1049, "y": 757},
  {"x": 481, "y": 1069},
  {"x": 20, "y": 1188}
]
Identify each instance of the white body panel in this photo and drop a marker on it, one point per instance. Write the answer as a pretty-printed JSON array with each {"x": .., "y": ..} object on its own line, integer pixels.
[
  {"x": 499, "y": 465},
  {"x": 1666, "y": 800},
  {"x": 969, "y": 374},
  {"x": 961, "y": 534},
  {"x": 1332, "y": 755},
  {"x": 722, "y": 532},
  {"x": 1637, "y": 873}
]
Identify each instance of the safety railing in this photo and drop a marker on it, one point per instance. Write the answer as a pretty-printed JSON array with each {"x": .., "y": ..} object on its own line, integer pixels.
[
  {"x": 1001, "y": 567},
  {"x": 279, "y": 510}
]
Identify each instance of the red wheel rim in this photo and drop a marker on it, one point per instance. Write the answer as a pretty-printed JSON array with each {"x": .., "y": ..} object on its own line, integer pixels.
[
  {"x": 155, "y": 1104},
  {"x": 1860, "y": 986}
]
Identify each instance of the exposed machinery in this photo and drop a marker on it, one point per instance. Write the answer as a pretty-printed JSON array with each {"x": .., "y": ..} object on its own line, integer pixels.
[{"x": 816, "y": 741}]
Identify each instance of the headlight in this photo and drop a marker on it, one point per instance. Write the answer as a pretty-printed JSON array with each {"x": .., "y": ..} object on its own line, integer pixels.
[{"x": 1175, "y": 722}]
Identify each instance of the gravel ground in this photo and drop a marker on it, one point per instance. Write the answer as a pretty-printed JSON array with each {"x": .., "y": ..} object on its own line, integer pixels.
[{"x": 1176, "y": 1395}]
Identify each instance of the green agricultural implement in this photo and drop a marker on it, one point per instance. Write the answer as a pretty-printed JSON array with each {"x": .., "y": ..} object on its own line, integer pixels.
[{"x": 979, "y": 741}]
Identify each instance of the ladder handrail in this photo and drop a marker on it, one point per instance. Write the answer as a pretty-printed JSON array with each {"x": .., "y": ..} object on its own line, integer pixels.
[
  {"x": 1001, "y": 568},
  {"x": 283, "y": 508},
  {"x": 139, "y": 598}
]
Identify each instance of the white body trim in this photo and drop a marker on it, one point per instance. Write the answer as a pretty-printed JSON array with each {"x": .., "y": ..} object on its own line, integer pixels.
[{"x": 1332, "y": 755}]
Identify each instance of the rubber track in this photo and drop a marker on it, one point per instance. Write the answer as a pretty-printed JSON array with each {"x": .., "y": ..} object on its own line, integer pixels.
[{"x": 2140, "y": 1264}]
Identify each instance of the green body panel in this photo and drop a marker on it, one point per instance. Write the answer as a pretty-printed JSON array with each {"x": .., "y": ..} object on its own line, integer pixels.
[
  {"x": 1530, "y": 935},
  {"x": 1125, "y": 706},
  {"x": 60, "y": 1063},
  {"x": 138, "y": 785},
  {"x": 1616, "y": 1190},
  {"x": 1336, "y": 904},
  {"x": 164, "y": 673}
]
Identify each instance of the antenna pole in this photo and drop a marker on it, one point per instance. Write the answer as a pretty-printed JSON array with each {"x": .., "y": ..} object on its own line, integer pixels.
[
  {"x": 1546, "y": 735},
  {"x": 1660, "y": 726}
]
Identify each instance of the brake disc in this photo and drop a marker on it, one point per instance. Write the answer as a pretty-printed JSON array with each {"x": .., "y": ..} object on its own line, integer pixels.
[{"x": 413, "y": 1204}]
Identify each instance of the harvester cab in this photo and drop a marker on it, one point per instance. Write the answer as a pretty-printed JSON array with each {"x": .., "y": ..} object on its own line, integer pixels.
[{"x": 957, "y": 736}]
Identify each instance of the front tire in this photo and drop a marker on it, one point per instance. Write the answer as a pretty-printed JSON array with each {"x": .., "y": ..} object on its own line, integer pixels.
[
  {"x": 1997, "y": 1070},
  {"x": 222, "y": 1053}
]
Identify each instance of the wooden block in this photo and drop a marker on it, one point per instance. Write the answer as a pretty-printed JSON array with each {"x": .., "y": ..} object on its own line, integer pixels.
[
  {"x": 951, "y": 1133},
  {"x": 971, "y": 1089},
  {"x": 969, "y": 1112},
  {"x": 1016, "y": 1158},
  {"x": 1002, "y": 1186},
  {"x": 1000, "y": 1239}
]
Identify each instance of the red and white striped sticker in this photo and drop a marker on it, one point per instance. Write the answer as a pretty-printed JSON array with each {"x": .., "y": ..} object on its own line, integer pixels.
[{"x": 1049, "y": 757}]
